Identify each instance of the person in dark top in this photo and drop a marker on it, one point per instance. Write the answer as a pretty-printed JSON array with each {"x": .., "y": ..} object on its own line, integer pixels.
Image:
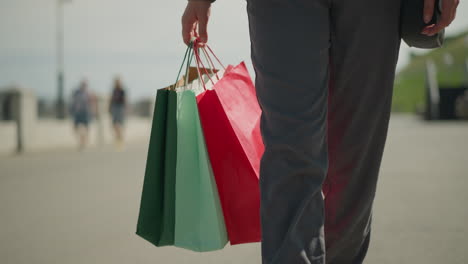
[{"x": 117, "y": 108}]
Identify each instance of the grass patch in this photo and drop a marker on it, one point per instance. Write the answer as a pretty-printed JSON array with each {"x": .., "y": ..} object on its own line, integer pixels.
[{"x": 409, "y": 93}]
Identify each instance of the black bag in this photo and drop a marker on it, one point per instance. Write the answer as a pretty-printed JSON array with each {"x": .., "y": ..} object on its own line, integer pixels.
[{"x": 412, "y": 23}]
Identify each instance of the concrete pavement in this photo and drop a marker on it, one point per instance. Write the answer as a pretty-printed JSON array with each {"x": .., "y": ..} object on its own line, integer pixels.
[
  {"x": 51, "y": 134},
  {"x": 81, "y": 208}
]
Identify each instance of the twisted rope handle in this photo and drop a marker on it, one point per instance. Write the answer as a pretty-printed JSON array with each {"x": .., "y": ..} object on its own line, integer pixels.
[
  {"x": 205, "y": 48},
  {"x": 193, "y": 50}
]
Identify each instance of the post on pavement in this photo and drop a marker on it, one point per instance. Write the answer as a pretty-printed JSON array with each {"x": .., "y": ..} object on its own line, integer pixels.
[
  {"x": 432, "y": 91},
  {"x": 23, "y": 111}
]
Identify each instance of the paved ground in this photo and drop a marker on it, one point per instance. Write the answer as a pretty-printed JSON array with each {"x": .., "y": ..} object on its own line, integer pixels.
[{"x": 81, "y": 208}]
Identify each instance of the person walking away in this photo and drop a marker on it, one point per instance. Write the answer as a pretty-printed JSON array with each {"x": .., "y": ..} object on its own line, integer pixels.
[
  {"x": 117, "y": 108},
  {"x": 324, "y": 79},
  {"x": 81, "y": 110}
]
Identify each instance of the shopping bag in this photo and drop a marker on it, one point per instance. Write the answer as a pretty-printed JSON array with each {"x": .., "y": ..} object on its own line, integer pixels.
[
  {"x": 199, "y": 223},
  {"x": 230, "y": 117},
  {"x": 157, "y": 208}
]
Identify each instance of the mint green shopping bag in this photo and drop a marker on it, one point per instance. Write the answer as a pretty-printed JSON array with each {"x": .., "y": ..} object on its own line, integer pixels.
[
  {"x": 199, "y": 222},
  {"x": 157, "y": 208}
]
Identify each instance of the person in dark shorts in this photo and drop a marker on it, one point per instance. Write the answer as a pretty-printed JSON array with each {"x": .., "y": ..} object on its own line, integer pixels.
[
  {"x": 81, "y": 109},
  {"x": 117, "y": 108}
]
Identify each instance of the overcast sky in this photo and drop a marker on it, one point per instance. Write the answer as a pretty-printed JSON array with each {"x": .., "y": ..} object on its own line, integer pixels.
[{"x": 138, "y": 39}]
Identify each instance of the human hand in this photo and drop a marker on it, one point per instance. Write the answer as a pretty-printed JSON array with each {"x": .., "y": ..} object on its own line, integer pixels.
[
  {"x": 449, "y": 9},
  {"x": 195, "y": 21}
]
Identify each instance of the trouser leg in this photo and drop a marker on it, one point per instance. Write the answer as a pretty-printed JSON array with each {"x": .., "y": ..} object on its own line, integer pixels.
[
  {"x": 364, "y": 50},
  {"x": 289, "y": 52},
  {"x": 290, "y": 42}
]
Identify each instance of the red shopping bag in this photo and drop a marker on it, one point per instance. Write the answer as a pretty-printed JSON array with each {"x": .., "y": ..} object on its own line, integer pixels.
[{"x": 230, "y": 117}]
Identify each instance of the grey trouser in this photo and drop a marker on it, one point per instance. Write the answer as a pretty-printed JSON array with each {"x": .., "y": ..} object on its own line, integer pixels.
[{"x": 324, "y": 78}]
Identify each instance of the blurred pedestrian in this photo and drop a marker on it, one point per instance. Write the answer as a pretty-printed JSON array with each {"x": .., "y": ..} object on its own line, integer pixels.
[
  {"x": 118, "y": 108},
  {"x": 81, "y": 110}
]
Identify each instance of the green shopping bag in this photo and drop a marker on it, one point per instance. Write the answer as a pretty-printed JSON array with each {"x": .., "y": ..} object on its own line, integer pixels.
[
  {"x": 199, "y": 222},
  {"x": 156, "y": 218}
]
